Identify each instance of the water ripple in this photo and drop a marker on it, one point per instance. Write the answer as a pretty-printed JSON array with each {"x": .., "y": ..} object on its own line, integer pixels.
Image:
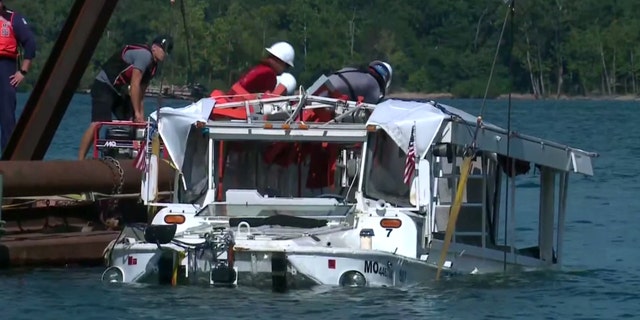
[{"x": 600, "y": 279}]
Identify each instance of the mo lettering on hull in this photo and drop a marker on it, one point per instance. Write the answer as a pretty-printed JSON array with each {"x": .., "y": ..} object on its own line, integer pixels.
[{"x": 383, "y": 270}]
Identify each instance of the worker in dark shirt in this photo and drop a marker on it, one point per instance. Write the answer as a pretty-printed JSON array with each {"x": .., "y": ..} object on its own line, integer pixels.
[
  {"x": 14, "y": 33},
  {"x": 120, "y": 86},
  {"x": 371, "y": 84}
]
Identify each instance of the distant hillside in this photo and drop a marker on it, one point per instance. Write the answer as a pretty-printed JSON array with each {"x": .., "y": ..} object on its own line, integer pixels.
[{"x": 560, "y": 48}]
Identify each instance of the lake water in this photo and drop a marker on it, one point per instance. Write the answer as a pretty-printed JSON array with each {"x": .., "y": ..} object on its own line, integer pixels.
[{"x": 600, "y": 278}]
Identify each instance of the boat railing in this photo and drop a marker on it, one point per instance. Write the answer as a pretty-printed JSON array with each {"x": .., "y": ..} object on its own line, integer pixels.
[
  {"x": 307, "y": 101},
  {"x": 246, "y": 232},
  {"x": 291, "y": 107}
]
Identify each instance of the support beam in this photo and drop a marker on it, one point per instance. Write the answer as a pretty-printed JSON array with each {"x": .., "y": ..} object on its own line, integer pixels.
[
  {"x": 59, "y": 79},
  {"x": 546, "y": 214},
  {"x": 562, "y": 210},
  {"x": 43, "y": 178}
]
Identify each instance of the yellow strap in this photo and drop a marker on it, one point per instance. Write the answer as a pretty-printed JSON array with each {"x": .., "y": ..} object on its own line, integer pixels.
[
  {"x": 155, "y": 144},
  {"x": 17, "y": 205},
  {"x": 75, "y": 196},
  {"x": 171, "y": 164},
  {"x": 179, "y": 256},
  {"x": 176, "y": 264},
  {"x": 453, "y": 214},
  {"x": 155, "y": 150}
]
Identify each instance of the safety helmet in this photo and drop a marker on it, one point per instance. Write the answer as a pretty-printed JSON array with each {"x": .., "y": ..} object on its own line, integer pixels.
[
  {"x": 283, "y": 51},
  {"x": 288, "y": 81},
  {"x": 165, "y": 42},
  {"x": 384, "y": 70}
]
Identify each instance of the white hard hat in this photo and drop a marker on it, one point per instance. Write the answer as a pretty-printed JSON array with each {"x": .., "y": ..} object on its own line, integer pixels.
[
  {"x": 283, "y": 51},
  {"x": 384, "y": 70},
  {"x": 288, "y": 81}
]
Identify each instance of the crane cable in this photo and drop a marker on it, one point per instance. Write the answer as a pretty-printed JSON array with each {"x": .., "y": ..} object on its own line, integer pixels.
[
  {"x": 187, "y": 37},
  {"x": 155, "y": 139},
  {"x": 510, "y": 184},
  {"x": 465, "y": 169}
]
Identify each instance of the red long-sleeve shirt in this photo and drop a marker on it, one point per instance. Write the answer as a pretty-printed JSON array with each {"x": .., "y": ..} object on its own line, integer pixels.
[{"x": 259, "y": 79}]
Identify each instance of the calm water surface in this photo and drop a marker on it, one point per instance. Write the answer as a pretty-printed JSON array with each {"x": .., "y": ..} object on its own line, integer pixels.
[{"x": 600, "y": 278}]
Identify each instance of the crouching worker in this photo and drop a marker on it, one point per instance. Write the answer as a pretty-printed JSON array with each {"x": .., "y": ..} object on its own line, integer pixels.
[
  {"x": 260, "y": 79},
  {"x": 369, "y": 85}
]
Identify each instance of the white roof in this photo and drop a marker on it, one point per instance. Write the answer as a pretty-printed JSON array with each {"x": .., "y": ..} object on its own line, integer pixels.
[{"x": 397, "y": 117}]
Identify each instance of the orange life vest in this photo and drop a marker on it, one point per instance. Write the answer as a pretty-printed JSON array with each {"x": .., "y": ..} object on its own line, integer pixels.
[
  {"x": 239, "y": 113},
  {"x": 235, "y": 94},
  {"x": 8, "y": 42}
]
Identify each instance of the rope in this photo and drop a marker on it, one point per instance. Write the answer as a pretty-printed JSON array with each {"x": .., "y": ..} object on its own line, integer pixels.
[
  {"x": 187, "y": 36},
  {"x": 18, "y": 205},
  {"x": 469, "y": 154},
  {"x": 453, "y": 215},
  {"x": 493, "y": 64},
  {"x": 512, "y": 169},
  {"x": 152, "y": 140}
]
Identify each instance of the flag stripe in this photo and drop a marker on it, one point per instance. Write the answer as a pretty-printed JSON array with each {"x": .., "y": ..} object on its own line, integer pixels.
[
  {"x": 140, "y": 162},
  {"x": 410, "y": 162},
  {"x": 141, "y": 159}
]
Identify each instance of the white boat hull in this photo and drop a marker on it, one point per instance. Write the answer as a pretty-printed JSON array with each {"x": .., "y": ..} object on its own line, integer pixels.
[{"x": 140, "y": 263}]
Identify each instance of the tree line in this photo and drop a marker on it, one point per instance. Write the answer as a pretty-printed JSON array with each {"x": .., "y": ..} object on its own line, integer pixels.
[{"x": 550, "y": 47}]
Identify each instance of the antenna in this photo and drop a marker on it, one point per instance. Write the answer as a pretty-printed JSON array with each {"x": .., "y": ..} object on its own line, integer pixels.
[
  {"x": 495, "y": 58},
  {"x": 512, "y": 164},
  {"x": 470, "y": 152},
  {"x": 187, "y": 36}
]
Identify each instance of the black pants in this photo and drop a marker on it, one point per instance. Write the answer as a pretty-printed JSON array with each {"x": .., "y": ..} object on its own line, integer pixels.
[
  {"x": 106, "y": 103},
  {"x": 7, "y": 101}
]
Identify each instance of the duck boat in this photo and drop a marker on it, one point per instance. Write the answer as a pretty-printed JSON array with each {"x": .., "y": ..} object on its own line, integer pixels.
[{"x": 304, "y": 190}]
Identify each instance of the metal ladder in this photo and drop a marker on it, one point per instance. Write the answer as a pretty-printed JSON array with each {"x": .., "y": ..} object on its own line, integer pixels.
[{"x": 471, "y": 224}]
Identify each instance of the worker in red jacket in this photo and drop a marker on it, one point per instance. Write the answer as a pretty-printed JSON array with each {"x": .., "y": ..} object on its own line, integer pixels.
[
  {"x": 260, "y": 79},
  {"x": 263, "y": 77}
]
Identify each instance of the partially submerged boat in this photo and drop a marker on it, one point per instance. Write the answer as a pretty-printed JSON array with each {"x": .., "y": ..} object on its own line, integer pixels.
[{"x": 385, "y": 195}]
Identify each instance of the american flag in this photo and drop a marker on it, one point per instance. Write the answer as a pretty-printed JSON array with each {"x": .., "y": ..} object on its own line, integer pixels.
[
  {"x": 141, "y": 160},
  {"x": 410, "y": 162}
]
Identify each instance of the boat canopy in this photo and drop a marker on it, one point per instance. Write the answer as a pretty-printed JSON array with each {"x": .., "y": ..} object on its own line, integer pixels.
[
  {"x": 174, "y": 125},
  {"x": 397, "y": 117}
]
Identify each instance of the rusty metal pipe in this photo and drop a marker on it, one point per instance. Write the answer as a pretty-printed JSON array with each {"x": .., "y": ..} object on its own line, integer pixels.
[{"x": 43, "y": 178}]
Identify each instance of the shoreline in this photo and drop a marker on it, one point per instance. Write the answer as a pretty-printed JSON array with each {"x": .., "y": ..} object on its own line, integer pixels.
[
  {"x": 514, "y": 96},
  {"x": 167, "y": 91},
  {"x": 182, "y": 93}
]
